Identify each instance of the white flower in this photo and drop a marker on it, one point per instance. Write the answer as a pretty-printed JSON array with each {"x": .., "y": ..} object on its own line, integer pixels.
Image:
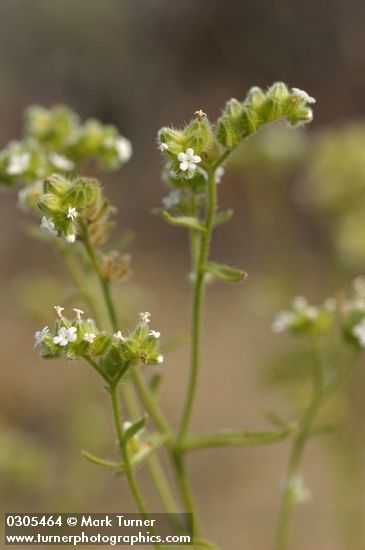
[
  {"x": 65, "y": 335},
  {"x": 299, "y": 302},
  {"x": 70, "y": 238},
  {"x": 172, "y": 199},
  {"x": 163, "y": 146},
  {"x": 145, "y": 317},
  {"x": 188, "y": 161},
  {"x": 219, "y": 173},
  {"x": 61, "y": 162},
  {"x": 72, "y": 213},
  {"x": 48, "y": 227},
  {"x": 282, "y": 321},
  {"x": 126, "y": 425},
  {"x": 59, "y": 311},
  {"x": 78, "y": 312},
  {"x": 119, "y": 336},
  {"x": 18, "y": 164},
  {"x": 159, "y": 359},
  {"x": 359, "y": 284},
  {"x": 303, "y": 95},
  {"x": 312, "y": 312},
  {"x": 330, "y": 304},
  {"x": 359, "y": 332},
  {"x": 124, "y": 149},
  {"x": 39, "y": 336},
  {"x": 154, "y": 333},
  {"x": 89, "y": 337}
]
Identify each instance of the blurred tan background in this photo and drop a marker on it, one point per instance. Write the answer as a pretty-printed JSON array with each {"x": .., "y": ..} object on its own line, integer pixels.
[{"x": 141, "y": 65}]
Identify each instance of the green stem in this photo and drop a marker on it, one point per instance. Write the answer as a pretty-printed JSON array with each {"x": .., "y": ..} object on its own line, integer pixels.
[
  {"x": 289, "y": 497},
  {"x": 197, "y": 307},
  {"x": 305, "y": 428},
  {"x": 155, "y": 469},
  {"x": 104, "y": 283},
  {"x": 124, "y": 451}
]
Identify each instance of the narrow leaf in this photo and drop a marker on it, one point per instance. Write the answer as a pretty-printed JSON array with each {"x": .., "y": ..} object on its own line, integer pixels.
[
  {"x": 225, "y": 272},
  {"x": 101, "y": 462},
  {"x": 135, "y": 428},
  {"x": 222, "y": 217},
  {"x": 183, "y": 221},
  {"x": 235, "y": 439}
]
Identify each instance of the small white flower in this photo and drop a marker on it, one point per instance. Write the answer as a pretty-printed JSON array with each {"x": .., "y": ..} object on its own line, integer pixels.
[
  {"x": 188, "y": 161},
  {"x": 282, "y": 321},
  {"x": 145, "y": 317},
  {"x": 70, "y": 238},
  {"x": 160, "y": 359},
  {"x": 124, "y": 149},
  {"x": 312, "y": 312},
  {"x": 154, "y": 333},
  {"x": 359, "y": 284},
  {"x": 78, "y": 312},
  {"x": 299, "y": 302},
  {"x": 330, "y": 304},
  {"x": 39, "y": 336},
  {"x": 65, "y": 335},
  {"x": 59, "y": 310},
  {"x": 359, "y": 332},
  {"x": 126, "y": 425},
  {"x": 18, "y": 164},
  {"x": 89, "y": 337},
  {"x": 219, "y": 173},
  {"x": 61, "y": 162},
  {"x": 172, "y": 199},
  {"x": 163, "y": 146},
  {"x": 72, "y": 213},
  {"x": 119, "y": 336},
  {"x": 303, "y": 95},
  {"x": 48, "y": 227}
]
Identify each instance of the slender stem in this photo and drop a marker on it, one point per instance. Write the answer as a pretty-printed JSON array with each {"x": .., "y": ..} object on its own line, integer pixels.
[
  {"x": 155, "y": 469},
  {"x": 197, "y": 307},
  {"x": 320, "y": 395},
  {"x": 124, "y": 451},
  {"x": 289, "y": 496},
  {"x": 150, "y": 403},
  {"x": 104, "y": 283},
  {"x": 185, "y": 490}
]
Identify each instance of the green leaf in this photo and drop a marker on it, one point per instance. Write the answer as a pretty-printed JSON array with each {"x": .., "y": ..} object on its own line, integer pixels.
[
  {"x": 101, "y": 462},
  {"x": 135, "y": 428},
  {"x": 225, "y": 272},
  {"x": 222, "y": 217},
  {"x": 184, "y": 221},
  {"x": 235, "y": 439}
]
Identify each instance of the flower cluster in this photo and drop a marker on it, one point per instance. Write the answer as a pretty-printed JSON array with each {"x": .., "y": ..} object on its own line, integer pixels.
[
  {"x": 242, "y": 119},
  {"x": 304, "y": 318},
  {"x": 113, "y": 353},
  {"x": 56, "y": 141},
  {"x": 191, "y": 152},
  {"x": 65, "y": 202}
]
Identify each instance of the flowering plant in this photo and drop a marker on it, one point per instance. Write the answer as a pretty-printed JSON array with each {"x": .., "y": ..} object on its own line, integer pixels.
[{"x": 76, "y": 218}]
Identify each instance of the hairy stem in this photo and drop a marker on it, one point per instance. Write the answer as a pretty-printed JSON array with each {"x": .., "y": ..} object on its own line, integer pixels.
[
  {"x": 155, "y": 469},
  {"x": 197, "y": 307}
]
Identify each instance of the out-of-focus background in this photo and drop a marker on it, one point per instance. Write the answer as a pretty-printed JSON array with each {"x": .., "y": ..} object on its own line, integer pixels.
[{"x": 299, "y": 228}]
